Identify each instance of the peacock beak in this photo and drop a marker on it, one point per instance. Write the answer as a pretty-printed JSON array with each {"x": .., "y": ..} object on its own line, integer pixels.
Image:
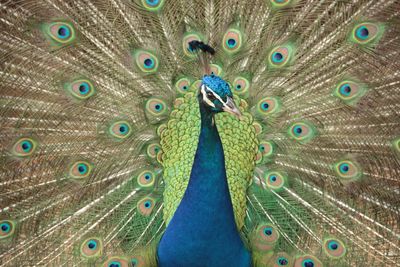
[{"x": 230, "y": 107}]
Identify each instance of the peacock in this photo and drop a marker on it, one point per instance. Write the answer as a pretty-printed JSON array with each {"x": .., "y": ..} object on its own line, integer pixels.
[{"x": 202, "y": 133}]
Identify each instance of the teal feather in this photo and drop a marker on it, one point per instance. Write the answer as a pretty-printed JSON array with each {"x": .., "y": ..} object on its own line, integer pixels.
[{"x": 100, "y": 124}]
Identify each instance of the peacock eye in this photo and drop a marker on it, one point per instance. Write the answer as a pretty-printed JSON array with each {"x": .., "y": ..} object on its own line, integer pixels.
[
  {"x": 152, "y": 5},
  {"x": 307, "y": 261},
  {"x": 347, "y": 169},
  {"x": 120, "y": 129},
  {"x": 146, "y": 61},
  {"x": 24, "y": 147},
  {"x": 91, "y": 248},
  {"x": 146, "y": 178},
  {"x": 7, "y": 228},
  {"x": 61, "y": 32},
  {"x": 80, "y": 89},
  {"x": 365, "y": 33},
  {"x": 80, "y": 169},
  {"x": 334, "y": 248}
]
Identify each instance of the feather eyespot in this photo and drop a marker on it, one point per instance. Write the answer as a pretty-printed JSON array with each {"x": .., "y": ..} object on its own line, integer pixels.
[
  {"x": 146, "y": 205},
  {"x": 80, "y": 169},
  {"x": 153, "y": 5},
  {"x": 232, "y": 41},
  {"x": 266, "y": 237},
  {"x": 266, "y": 148},
  {"x": 281, "y": 259},
  {"x": 366, "y": 33},
  {"x": 61, "y": 32},
  {"x": 116, "y": 262},
  {"x": 241, "y": 85},
  {"x": 156, "y": 106},
  {"x": 268, "y": 105},
  {"x": 153, "y": 149},
  {"x": 302, "y": 131},
  {"x": 307, "y": 261},
  {"x": 146, "y": 178},
  {"x": 24, "y": 147},
  {"x": 189, "y": 37},
  {"x": 216, "y": 70},
  {"x": 347, "y": 169},
  {"x": 349, "y": 91},
  {"x": 138, "y": 261},
  {"x": 120, "y": 129},
  {"x": 280, "y": 56},
  {"x": 183, "y": 85},
  {"x": 7, "y": 228},
  {"x": 275, "y": 180},
  {"x": 92, "y": 248},
  {"x": 279, "y": 3},
  {"x": 81, "y": 89},
  {"x": 146, "y": 61},
  {"x": 334, "y": 248}
]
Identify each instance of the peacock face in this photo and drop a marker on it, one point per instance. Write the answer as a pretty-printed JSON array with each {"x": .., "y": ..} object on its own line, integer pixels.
[{"x": 217, "y": 96}]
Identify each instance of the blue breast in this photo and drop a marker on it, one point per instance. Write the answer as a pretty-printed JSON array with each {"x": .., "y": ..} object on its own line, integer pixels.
[{"x": 203, "y": 231}]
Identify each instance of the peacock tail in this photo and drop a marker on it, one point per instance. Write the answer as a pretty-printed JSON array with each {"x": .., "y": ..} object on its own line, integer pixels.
[{"x": 100, "y": 122}]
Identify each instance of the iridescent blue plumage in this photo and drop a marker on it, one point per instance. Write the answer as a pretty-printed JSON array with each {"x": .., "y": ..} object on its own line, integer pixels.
[{"x": 203, "y": 231}]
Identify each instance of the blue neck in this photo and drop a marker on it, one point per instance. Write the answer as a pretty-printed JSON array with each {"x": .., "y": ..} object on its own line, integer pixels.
[{"x": 203, "y": 231}]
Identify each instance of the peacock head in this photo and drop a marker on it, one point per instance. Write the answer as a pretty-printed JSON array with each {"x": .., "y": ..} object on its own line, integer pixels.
[{"x": 216, "y": 95}]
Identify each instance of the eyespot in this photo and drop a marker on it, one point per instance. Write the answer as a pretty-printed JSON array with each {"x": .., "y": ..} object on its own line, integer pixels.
[
  {"x": 349, "y": 91},
  {"x": 334, "y": 248},
  {"x": 120, "y": 129},
  {"x": 81, "y": 89},
  {"x": 302, "y": 131},
  {"x": 282, "y": 259},
  {"x": 268, "y": 105},
  {"x": 116, "y": 262},
  {"x": 146, "y": 61},
  {"x": 7, "y": 228},
  {"x": 61, "y": 32},
  {"x": 280, "y": 56},
  {"x": 152, "y": 5},
  {"x": 153, "y": 149},
  {"x": 280, "y": 3},
  {"x": 24, "y": 147},
  {"x": 185, "y": 43},
  {"x": 266, "y": 148},
  {"x": 241, "y": 85},
  {"x": 232, "y": 41},
  {"x": 156, "y": 106},
  {"x": 146, "y": 178},
  {"x": 216, "y": 69},
  {"x": 80, "y": 169},
  {"x": 138, "y": 261},
  {"x": 146, "y": 205},
  {"x": 266, "y": 237},
  {"x": 275, "y": 180},
  {"x": 92, "y": 248},
  {"x": 366, "y": 33},
  {"x": 183, "y": 85},
  {"x": 307, "y": 261},
  {"x": 347, "y": 169}
]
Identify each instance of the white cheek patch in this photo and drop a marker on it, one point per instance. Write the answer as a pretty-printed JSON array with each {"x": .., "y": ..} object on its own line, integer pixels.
[{"x": 205, "y": 99}]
